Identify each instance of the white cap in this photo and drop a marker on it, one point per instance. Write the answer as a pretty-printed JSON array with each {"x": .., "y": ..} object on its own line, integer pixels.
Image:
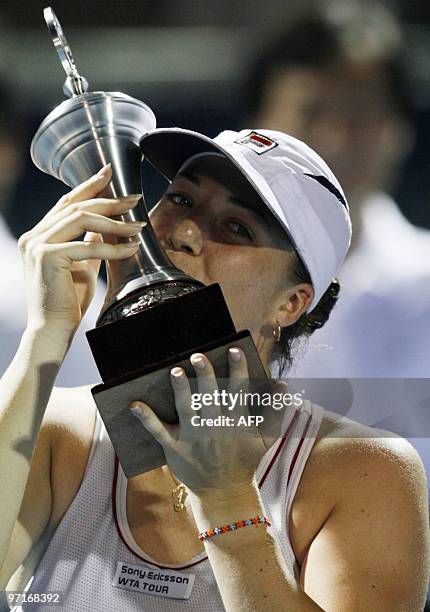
[{"x": 291, "y": 179}]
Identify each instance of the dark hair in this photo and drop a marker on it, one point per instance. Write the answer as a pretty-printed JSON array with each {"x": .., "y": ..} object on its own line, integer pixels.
[
  {"x": 293, "y": 335},
  {"x": 317, "y": 41}
]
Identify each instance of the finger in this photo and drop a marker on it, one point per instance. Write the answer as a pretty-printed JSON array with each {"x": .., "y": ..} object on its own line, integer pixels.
[
  {"x": 103, "y": 206},
  {"x": 109, "y": 207},
  {"x": 92, "y": 237},
  {"x": 94, "y": 264},
  {"x": 182, "y": 393},
  {"x": 86, "y": 190},
  {"x": 152, "y": 423},
  {"x": 238, "y": 369},
  {"x": 206, "y": 384},
  {"x": 238, "y": 383},
  {"x": 68, "y": 252},
  {"x": 77, "y": 223}
]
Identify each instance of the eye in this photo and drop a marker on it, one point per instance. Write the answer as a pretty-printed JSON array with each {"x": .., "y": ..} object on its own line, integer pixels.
[
  {"x": 240, "y": 230},
  {"x": 178, "y": 199}
]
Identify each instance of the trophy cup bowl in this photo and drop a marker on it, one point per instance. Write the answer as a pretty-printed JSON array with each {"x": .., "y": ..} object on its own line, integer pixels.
[{"x": 75, "y": 140}]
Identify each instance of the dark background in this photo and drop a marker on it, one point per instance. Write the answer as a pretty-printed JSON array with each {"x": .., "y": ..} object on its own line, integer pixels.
[{"x": 188, "y": 60}]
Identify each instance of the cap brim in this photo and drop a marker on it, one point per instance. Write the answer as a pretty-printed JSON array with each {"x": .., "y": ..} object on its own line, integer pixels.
[{"x": 169, "y": 148}]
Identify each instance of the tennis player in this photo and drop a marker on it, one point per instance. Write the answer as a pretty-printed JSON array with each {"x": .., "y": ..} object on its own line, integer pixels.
[{"x": 331, "y": 515}]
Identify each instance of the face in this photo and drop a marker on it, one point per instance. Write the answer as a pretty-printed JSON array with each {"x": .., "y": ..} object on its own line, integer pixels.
[
  {"x": 213, "y": 226},
  {"x": 340, "y": 112}
]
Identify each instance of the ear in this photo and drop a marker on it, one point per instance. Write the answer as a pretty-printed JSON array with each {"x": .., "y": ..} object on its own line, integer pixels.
[{"x": 296, "y": 301}]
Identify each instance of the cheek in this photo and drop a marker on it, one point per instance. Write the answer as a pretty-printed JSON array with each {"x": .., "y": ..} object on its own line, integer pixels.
[
  {"x": 161, "y": 222},
  {"x": 247, "y": 279}
]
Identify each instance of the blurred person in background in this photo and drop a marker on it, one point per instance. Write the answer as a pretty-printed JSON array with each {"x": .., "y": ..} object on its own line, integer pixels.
[
  {"x": 335, "y": 80},
  {"x": 79, "y": 367}
]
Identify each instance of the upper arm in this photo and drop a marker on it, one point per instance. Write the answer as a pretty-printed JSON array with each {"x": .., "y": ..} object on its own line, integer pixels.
[
  {"x": 46, "y": 497},
  {"x": 35, "y": 509},
  {"x": 372, "y": 553}
]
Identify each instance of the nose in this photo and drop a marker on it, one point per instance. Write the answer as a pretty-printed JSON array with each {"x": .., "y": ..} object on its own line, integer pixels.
[{"x": 186, "y": 236}]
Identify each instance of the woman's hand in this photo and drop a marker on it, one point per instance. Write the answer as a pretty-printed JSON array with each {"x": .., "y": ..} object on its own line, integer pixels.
[
  {"x": 208, "y": 460},
  {"x": 60, "y": 272}
]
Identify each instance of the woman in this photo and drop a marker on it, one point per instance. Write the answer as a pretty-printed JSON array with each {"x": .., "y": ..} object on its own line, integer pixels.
[{"x": 342, "y": 512}]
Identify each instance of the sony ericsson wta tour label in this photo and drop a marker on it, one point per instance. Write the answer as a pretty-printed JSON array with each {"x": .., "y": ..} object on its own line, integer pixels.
[{"x": 153, "y": 580}]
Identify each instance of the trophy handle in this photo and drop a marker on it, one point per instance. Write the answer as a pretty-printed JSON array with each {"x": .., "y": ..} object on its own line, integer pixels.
[{"x": 75, "y": 84}]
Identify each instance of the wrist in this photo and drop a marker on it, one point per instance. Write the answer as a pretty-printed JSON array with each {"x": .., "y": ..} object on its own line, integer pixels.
[
  {"x": 227, "y": 494},
  {"x": 46, "y": 344},
  {"x": 226, "y": 506}
]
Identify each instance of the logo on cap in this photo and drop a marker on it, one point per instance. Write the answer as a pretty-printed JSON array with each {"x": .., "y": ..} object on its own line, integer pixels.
[{"x": 257, "y": 142}]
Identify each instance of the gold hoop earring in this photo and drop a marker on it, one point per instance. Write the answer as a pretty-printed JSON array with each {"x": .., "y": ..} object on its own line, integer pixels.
[{"x": 277, "y": 332}]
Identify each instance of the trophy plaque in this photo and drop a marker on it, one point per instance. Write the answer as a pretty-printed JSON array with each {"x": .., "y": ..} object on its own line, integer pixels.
[{"x": 154, "y": 316}]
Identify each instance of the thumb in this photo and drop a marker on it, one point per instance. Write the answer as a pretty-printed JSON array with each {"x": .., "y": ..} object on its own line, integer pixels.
[{"x": 152, "y": 423}]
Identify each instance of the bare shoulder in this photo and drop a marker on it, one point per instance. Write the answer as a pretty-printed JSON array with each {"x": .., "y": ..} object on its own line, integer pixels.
[
  {"x": 359, "y": 524},
  {"x": 346, "y": 447},
  {"x": 350, "y": 461}
]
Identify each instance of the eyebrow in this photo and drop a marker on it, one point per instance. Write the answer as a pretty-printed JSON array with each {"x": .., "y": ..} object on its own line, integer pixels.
[
  {"x": 233, "y": 199},
  {"x": 190, "y": 177},
  {"x": 246, "y": 206}
]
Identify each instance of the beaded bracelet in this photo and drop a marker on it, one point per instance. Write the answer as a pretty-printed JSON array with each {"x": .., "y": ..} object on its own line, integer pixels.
[{"x": 204, "y": 535}]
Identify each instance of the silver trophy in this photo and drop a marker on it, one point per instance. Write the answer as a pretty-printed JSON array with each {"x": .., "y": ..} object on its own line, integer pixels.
[
  {"x": 76, "y": 139},
  {"x": 134, "y": 354}
]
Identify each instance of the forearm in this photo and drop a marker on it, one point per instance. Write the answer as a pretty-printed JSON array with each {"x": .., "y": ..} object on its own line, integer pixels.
[
  {"x": 248, "y": 565},
  {"x": 25, "y": 389}
]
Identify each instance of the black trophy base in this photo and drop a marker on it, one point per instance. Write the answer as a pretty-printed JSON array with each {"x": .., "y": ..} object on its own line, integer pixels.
[
  {"x": 135, "y": 355},
  {"x": 137, "y": 450}
]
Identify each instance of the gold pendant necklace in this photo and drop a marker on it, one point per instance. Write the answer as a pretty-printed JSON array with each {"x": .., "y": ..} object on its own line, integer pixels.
[{"x": 179, "y": 493}]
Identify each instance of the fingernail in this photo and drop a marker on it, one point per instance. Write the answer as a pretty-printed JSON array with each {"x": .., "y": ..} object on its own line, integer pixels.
[
  {"x": 176, "y": 372},
  {"x": 198, "y": 361},
  {"x": 136, "y": 411},
  {"x": 134, "y": 197},
  {"x": 104, "y": 171},
  {"x": 137, "y": 223},
  {"x": 234, "y": 354}
]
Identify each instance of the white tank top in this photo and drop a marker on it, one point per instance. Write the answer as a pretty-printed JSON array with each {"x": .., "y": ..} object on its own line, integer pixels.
[{"x": 93, "y": 540}]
